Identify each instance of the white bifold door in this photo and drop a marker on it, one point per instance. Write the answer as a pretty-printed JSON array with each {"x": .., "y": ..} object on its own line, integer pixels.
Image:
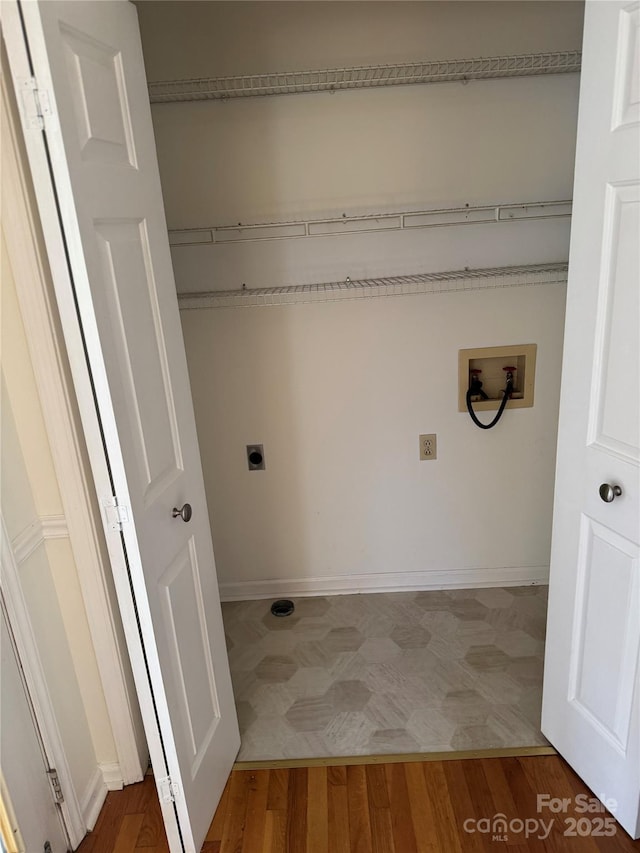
[
  {"x": 89, "y": 123},
  {"x": 591, "y": 705}
]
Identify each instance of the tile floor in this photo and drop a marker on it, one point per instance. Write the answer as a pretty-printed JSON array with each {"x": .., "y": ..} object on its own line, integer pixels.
[{"x": 388, "y": 672}]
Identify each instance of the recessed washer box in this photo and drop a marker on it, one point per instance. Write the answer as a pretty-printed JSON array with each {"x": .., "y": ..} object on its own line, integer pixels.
[{"x": 492, "y": 361}]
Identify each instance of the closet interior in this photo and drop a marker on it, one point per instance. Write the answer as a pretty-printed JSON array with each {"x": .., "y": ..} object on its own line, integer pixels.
[{"x": 354, "y": 193}]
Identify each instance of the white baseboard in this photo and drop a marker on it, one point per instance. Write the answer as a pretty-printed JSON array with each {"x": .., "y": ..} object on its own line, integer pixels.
[
  {"x": 385, "y": 582},
  {"x": 93, "y": 799},
  {"x": 112, "y": 776},
  {"x": 106, "y": 777}
]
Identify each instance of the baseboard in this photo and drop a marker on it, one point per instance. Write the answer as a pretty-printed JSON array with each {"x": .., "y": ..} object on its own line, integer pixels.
[
  {"x": 93, "y": 799},
  {"x": 385, "y": 582},
  {"x": 112, "y": 776},
  {"x": 106, "y": 777}
]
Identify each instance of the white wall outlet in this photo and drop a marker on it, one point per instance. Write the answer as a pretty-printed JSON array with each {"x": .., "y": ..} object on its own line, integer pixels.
[{"x": 428, "y": 447}]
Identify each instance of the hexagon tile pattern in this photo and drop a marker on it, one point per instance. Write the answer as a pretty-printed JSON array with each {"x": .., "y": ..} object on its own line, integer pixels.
[{"x": 389, "y": 672}]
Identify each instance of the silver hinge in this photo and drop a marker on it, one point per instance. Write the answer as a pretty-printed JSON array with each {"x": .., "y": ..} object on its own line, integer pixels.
[
  {"x": 35, "y": 102},
  {"x": 168, "y": 790},
  {"x": 56, "y": 790},
  {"x": 117, "y": 514}
]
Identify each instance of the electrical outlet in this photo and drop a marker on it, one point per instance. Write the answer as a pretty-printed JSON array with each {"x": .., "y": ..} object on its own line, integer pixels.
[{"x": 428, "y": 447}]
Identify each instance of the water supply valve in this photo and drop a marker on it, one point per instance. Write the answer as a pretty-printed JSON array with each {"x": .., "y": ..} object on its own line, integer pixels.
[
  {"x": 475, "y": 385},
  {"x": 510, "y": 371}
]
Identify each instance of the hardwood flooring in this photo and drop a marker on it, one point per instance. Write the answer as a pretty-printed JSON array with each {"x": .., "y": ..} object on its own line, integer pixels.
[{"x": 416, "y": 807}]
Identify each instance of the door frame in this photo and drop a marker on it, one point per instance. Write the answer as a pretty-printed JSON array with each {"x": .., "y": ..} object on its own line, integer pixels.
[{"x": 57, "y": 399}]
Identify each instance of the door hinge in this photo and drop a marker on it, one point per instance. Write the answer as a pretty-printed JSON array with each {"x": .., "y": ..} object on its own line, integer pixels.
[
  {"x": 168, "y": 791},
  {"x": 35, "y": 103},
  {"x": 54, "y": 781},
  {"x": 117, "y": 514}
]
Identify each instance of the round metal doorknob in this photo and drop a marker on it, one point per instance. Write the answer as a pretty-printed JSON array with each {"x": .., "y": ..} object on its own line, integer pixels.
[
  {"x": 609, "y": 492},
  {"x": 185, "y": 513}
]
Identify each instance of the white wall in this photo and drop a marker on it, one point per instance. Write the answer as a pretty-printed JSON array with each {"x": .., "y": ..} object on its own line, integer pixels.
[
  {"x": 439, "y": 145},
  {"x": 383, "y": 150},
  {"x": 185, "y": 39},
  {"x": 338, "y": 393}
]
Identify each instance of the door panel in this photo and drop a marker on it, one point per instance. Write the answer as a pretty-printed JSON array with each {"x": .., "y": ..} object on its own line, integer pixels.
[
  {"x": 616, "y": 413},
  {"x": 102, "y": 154},
  {"x": 190, "y": 651},
  {"x": 626, "y": 101},
  {"x": 607, "y": 623},
  {"x": 97, "y": 87},
  {"x": 591, "y": 701},
  {"x": 133, "y": 315}
]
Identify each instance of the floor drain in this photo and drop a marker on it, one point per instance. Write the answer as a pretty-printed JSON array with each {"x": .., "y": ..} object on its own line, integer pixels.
[{"x": 282, "y": 607}]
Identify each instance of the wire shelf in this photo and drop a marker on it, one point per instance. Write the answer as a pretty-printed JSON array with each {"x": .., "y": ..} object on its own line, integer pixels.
[
  {"x": 403, "y": 285},
  {"x": 334, "y": 79}
]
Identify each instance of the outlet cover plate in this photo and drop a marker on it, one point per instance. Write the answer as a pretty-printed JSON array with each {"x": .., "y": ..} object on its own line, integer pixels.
[{"x": 428, "y": 447}]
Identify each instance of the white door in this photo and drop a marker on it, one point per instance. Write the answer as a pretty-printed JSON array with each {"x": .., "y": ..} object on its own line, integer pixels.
[
  {"x": 24, "y": 764},
  {"x": 87, "y": 61},
  {"x": 591, "y": 703}
]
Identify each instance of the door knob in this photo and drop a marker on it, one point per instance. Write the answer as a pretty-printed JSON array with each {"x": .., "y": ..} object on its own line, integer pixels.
[
  {"x": 185, "y": 513},
  {"x": 609, "y": 492}
]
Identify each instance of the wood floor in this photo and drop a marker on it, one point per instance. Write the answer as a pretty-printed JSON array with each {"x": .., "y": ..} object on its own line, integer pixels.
[{"x": 376, "y": 808}]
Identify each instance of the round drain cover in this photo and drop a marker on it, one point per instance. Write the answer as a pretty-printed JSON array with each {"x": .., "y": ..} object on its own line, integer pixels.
[{"x": 282, "y": 607}]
